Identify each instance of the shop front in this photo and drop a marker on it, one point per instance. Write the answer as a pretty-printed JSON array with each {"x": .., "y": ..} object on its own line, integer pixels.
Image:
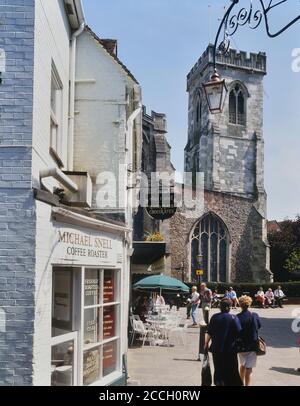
[{"x": 89, "y": 281}]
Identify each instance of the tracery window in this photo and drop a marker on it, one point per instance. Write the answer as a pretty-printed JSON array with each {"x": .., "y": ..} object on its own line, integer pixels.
[
  {"x": 210, "y": 239},
  {"x": 237, "y": 106}
]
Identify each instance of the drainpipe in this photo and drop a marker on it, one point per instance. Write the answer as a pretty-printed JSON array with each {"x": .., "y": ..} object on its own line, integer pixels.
[
  {"x": 130, "y": 156},
  {"x": 72, "y": 93},
  {"x": 60, "y": 177}
]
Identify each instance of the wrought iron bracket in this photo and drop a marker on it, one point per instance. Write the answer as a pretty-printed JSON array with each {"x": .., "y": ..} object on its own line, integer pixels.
[{"x": 252, "y": 16}]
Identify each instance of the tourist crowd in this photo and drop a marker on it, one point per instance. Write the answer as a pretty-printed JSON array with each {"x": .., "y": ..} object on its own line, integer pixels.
[{"x": 233, "y": 340}]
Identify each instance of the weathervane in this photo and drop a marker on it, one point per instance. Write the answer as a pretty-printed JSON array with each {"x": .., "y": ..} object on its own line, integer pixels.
[{"x": 253, "y": 17}]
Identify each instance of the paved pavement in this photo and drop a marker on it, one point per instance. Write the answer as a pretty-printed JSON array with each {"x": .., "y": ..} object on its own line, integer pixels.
[{"x": 178, "y": 365}]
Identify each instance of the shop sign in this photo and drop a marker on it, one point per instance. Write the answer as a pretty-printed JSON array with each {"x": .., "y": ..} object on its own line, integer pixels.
[
  {"x": 161, "y": 212},
  {"x": 87, "y": 249}
]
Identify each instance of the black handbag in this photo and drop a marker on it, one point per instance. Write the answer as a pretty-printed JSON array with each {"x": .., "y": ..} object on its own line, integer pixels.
[{"x": 206, "y": 372}]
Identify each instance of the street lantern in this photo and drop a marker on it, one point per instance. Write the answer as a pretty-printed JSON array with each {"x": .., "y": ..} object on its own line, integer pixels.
[
  {"x": 216, "y": 92},
  {"x": 216, "y": 89},
  {"x": 199, "y": 258}
]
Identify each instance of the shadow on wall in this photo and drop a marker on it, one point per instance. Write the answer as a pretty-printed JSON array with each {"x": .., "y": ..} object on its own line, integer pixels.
[{"x": 278, "y": 333}]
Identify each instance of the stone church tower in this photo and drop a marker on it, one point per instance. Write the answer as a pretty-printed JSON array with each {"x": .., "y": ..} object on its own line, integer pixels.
[{"x": 228, "y": 148}]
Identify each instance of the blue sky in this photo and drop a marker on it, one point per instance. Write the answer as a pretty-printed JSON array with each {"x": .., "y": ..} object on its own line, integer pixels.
[{"x": 160, "y": 40}]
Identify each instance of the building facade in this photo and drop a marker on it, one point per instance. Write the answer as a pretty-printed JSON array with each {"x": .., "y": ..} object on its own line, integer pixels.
[
  {"x": 228, "y": 149},
  {"x": 65, "y": 259},
  {"x": 152, "y": 256}
]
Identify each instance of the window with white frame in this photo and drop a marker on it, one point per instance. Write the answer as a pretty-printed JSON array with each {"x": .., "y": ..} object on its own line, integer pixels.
[
  {"x": 56, "y": 116},
  {"x": 85, "y": 326}
]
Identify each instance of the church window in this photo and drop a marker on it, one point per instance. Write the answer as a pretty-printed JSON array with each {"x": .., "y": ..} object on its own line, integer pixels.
[
  {"x": 210, "y": 239},
  {"x": 237, "y": 106},
  {"x": 198, "y": 110}
]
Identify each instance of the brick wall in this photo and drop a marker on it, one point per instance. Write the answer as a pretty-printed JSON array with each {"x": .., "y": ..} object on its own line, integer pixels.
[
  {"x": 17, "y": 214},
  {"x": 246, "y": 230}
]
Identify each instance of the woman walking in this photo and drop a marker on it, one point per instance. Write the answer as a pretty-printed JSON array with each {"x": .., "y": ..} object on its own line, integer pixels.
[
  {"x": 223, "y": 332},
  {"x": 248, "y": 341}
]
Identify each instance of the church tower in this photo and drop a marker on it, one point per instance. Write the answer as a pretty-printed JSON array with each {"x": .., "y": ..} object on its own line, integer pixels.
[
  {"x": 229, "y": 233},
  {"x": 228, "y": 148}
]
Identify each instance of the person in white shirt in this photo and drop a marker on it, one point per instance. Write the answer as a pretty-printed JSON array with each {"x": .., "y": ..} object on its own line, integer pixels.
[
  {"x": 160, "y": 301},
  {"x": 194, "y": 301},
  {"x": 233, "y": 297},
  {"x": 269, "y": 296},
  {"x": 260, "y": 297},
  {"x": 279, "y": 296}
]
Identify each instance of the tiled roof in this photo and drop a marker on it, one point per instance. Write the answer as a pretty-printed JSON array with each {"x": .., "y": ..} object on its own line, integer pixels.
[
  {"x": 110, "y": 45},
  {"x": 273, "y": 226}
]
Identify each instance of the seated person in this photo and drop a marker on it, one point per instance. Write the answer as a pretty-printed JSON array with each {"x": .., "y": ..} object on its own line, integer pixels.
[
  {"x": 215, "y": 298},
  {"x": 279, "y": 296},
  {"x": 227, "y": 296},
  {"x": 260, "y": 297},
  {"x": 143, "y": 308},
  {"x": 233, "y": 298},
  {"x": 269, "y": 298}
]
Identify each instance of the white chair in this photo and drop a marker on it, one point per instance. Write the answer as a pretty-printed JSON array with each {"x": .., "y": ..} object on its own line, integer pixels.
[
  {"x": 146, "y": 333},
  {"x": 137, "y": 318}
]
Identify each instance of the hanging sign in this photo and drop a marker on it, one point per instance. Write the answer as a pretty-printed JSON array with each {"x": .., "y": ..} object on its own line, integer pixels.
[{"x": 160, "y": 211}]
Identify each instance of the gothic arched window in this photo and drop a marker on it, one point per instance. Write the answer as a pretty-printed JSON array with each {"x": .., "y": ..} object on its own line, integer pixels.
[
  {"x": 210, "y": 239},
  {"x": 198, "y": 110},
  {"x": 237, "y": 106}
]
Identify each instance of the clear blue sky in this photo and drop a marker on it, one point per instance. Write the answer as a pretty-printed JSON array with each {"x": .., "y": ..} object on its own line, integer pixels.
[{"x": 160, "y": 40}]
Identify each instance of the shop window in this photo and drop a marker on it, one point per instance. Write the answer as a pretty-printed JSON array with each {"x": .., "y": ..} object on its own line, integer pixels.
[
  {"x": 90, "y": 330},
  {"x": 110, "y": 356},
  {"x": 63, "y": 364},
  {"x": 62, "y": 301},
  {"x": 101, "y": 318}
]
